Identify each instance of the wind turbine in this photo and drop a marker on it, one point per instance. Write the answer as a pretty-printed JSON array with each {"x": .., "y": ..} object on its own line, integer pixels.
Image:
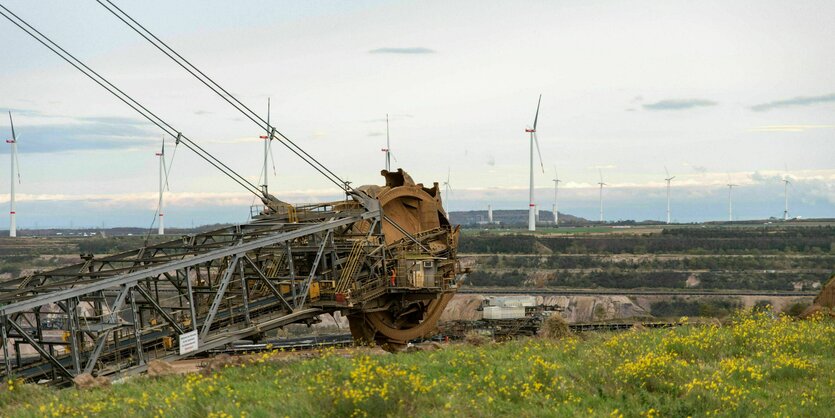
[
  {"x": 786, "y": 183},
  {"x": 556, "y": 195},
  {"x": 668, "y": 179},
  {"x": 730, "y": 201},
  {"x": 534, "y": 140},
  {"x": 12, "y": 211},
  {"x": 447, "y": 189},
  {"x": 268, "y": 150},
  {"x": 387, "y": 149},
  {"x": 601, "y": 193},
  {"x": 163, "y": 184}
]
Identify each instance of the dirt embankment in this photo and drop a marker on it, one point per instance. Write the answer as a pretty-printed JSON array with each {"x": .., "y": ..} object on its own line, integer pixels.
[
  {"x": 574, "y": 308},
  {"x": 608, "y": 307}
]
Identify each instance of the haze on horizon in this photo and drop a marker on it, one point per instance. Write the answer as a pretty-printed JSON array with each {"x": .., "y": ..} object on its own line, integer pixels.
[{"x": 717, "y": 92}]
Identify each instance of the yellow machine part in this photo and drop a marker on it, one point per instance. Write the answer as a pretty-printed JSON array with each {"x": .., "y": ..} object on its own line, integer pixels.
[
  {"x": 312, "y": 294},
  {"x": 168, "y": 342}
]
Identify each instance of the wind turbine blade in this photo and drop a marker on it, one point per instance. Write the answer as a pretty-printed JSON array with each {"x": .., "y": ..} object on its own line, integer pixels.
[
  {"x": 392, "y": 156},
  {"x": 600, "y": 171},
  {"x": 11, "y": 122},
  {"x": 667, "y": 171},
  {"x": 672, "y": 177},
  {"x": 164, "y": 166},
  {"x": 535, "y": 118},
  {"x": 536, "y": 140},
  {"x": 165, "y": 170},
  {"x": 17, "y": 164},
  {"x": 270, "y": 148}
]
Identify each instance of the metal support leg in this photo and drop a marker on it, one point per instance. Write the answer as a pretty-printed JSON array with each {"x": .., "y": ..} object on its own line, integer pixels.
[
  {"x": 5, "y": 342},
  {"x": 245, "y": 295},
  {"x": 224, "y": 283},
  {"x": 72, "y": 306},
  {"x": 292, "y": 274},
  {"x": 136, "y": 328},
  {"x": 191, "y": 306}
]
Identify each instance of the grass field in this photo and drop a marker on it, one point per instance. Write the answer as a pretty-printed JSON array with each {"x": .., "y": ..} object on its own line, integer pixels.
[{"x": 758, "y": 365}]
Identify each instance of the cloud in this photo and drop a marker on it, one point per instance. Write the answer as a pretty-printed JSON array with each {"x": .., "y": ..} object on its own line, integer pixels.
[
  {"x": 113, "y": 120},
  {"x": 797, "y": 101},
  {"x": 98, "y": 133},
  {"x": 24, "y": 112},
  {"x": 678, "y": 104},
  {"x": 789, "y": 128},
  {"x": 181, "y": 199},
  {"x": 412, "y": 50}
]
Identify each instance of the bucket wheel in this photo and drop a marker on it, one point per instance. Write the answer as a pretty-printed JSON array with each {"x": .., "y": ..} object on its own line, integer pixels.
[{"x": 393, "y": 331}]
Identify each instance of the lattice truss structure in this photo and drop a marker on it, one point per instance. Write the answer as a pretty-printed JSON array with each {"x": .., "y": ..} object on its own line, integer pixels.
[{"x": 118, "y": 312}]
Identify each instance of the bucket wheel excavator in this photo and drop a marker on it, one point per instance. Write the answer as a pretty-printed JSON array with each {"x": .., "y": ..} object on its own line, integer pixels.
[{"x": 385, "y": 257}]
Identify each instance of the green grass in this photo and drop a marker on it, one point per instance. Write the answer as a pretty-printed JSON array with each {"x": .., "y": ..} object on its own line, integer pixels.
[{"x": 757, "y": 366}]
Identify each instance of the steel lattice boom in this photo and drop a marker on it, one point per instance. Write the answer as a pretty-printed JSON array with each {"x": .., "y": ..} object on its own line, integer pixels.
[{"x": 390, "y": 268}]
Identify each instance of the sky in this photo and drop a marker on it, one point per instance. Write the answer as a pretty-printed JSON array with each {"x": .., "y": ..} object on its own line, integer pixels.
[{"x": 716, "y": 92}]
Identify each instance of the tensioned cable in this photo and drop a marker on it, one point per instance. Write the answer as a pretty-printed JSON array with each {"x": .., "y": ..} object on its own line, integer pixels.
[
  {"x": 128, "y": 100},
  {"x": 225, "y": 95}
]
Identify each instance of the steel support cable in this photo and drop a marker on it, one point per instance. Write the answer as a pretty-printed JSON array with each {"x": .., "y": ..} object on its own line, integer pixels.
[
  {"x": 127, "y": 99},
  {"x": 225, "y": 95}
]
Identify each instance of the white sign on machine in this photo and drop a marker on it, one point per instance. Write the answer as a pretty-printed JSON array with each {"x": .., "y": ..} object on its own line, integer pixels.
[{"x": 188, "y": 342}]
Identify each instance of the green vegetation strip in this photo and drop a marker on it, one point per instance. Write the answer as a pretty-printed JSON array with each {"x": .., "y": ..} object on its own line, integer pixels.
[{"x": 758, "y": 365}]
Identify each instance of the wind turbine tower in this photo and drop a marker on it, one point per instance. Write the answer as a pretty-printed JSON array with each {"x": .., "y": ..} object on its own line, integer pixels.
[
  {"x": 556, "y": 196},
  {"x": 731, "y": 201},
  {"x": 268, "y": 152},
  {"x": 601, "y": 194},
  {"x": 534, "y": 141},
  {"x": 786, "y": 183},
  {"x": 387, "y": 149},
  {"x": 15, "y": 170},
  {"x": 163, "y": 183},
  {"x": 668, "y": 179}
]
